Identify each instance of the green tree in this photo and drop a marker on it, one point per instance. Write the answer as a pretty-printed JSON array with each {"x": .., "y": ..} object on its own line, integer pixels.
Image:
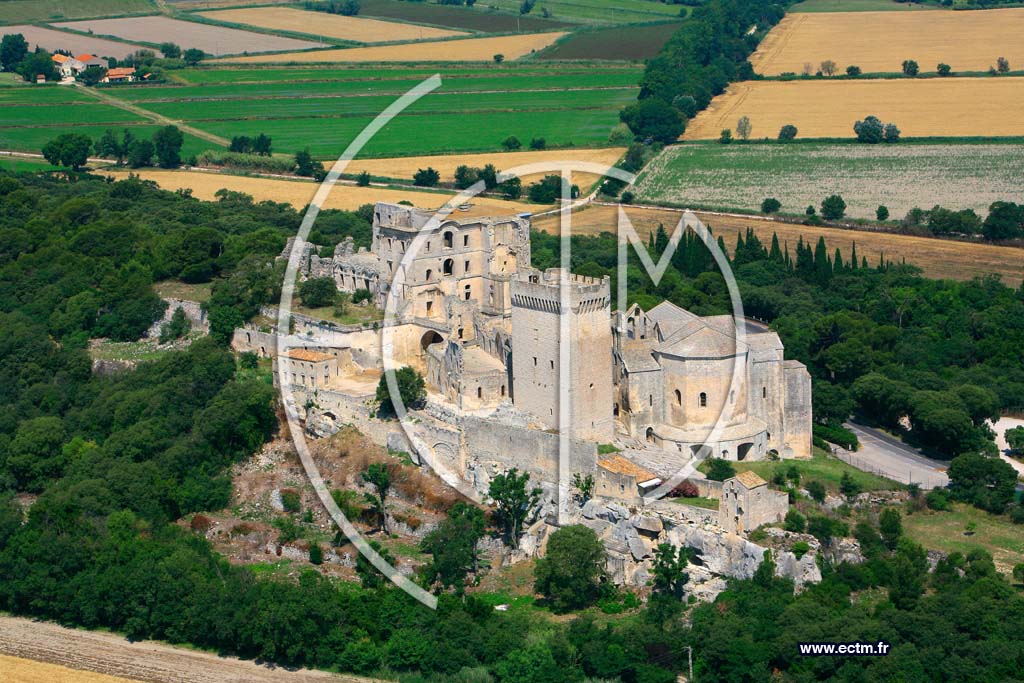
[
  {"x": 453, "y": 547},
  {"x": 1002, "y": 65},
  {"x": 787, "y": 132},
  {"x": 513, "y": 502},
  {"x": 92, "y": 75},
  {"x": 316, "y": 553},
  {"x": 379, "y": 476},
  {"x": 412, "y": 391},
  {"x": 848, "y": 486},
  {"x": 653, "y": 119},
  {"x": 770, "y": 205},
  {"x": 176, "y": 328},
  {"x": 725, "y": 137},
  {"x": 170, "y": 50},
  {"x": 13, "y": 49},
  {"x": 833, "y": 208},
  {"x": 140, "y": 153},
  {"x": 816, "y": 490},
  {"x": 363, "y": 179},
  {"x": 426, "y": 177},
  {"x": 511, "y": 143},
  {"x": 890, "y": 133},
  {"x": 795, "y": 522},
  {"x": 70, "y": 150},
  {"x": 853, "y": 71},
  {"x": 669, "y": 576},
  {"x": 39, "y": 63},
  {"x": 584, "y": 486},
  {"x": 720, "y": 469},
  {"x": 910, "y": 67},
  {"x": 193, "y": 56},
  {"x": 944, "y": 69},
  {"x": 538, "y": 143},
  {"x": 318, "y": 292},
  {"x": 262, "y": 145},
  {"x": 890, "y": 524},
  {"x": 1015, "y": 440},
  {"x": 985, "y": 482},
  {"x": 167, "y": 144},
  {"x": 306, "y": 166},
  {"x": 571, "y": 573},
  {"x": 882, "y": 213},
  {"x": 870, "y": 130},
  {"x": 369, "y": 576}
]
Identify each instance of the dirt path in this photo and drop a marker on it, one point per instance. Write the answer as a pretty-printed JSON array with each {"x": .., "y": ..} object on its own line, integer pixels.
[
  {"x": 147, "y": 661},
  {"x": 152, "y": 116}
]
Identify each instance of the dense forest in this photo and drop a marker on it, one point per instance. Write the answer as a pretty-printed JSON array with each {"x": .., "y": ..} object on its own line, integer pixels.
[{"x": 96, "y": 470}]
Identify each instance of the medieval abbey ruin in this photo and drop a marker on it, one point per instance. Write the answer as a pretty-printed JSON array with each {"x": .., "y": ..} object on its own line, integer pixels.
[{"x": 514, "y": 357}]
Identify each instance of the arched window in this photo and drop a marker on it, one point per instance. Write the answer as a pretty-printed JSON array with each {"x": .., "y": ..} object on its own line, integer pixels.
[
  {"x": 448, "y": 240},
  {"x": 449, "y": 266},
  {"x": 703, "y": 400},
  {"x": 679, "y": 398}
]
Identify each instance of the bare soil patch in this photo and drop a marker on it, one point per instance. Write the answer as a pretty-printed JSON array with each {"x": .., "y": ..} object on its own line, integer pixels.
[
  {"x": 51, "y": 40},
  {"x": 358, "y": 29},
  {"x": 214, "y": 40},
  {"x": 468, "y": 50}
]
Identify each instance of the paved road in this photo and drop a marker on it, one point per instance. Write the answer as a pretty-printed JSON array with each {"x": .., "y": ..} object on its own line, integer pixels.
[{"x": 886, "y": 455}]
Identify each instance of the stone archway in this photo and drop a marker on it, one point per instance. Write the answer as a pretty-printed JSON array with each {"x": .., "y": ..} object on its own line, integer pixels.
[
  {"x": 743, "y": 450},
  {"x": 649, "y": 435},
  {"x": 429, "y": 337}
]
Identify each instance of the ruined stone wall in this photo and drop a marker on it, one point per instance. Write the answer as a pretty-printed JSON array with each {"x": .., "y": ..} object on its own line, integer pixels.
[
  {"x": 193, "y": 312},
  {"x": 798, "y": 409}
]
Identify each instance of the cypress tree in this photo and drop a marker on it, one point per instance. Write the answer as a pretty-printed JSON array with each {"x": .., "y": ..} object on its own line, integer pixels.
[
  {"x": 775, "y": 254},
  {"x": 837, "y": 262},
  {"x": 853, "y": 257}
]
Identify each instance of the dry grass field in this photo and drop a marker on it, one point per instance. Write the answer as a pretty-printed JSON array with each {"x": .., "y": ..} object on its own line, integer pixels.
[
  {"x": 404, "y": 167},
  {"x": 299, "y": 193},
  {"x": 357, "y": 29},
  {"x": 42, "y": 652},
  {"x": 17, "y": 670},
  {"x": 51, "y": 40},
  {"x": 880, "y": 41},
  {"x": 938, "y": 258},
  {"x": 829, "y": 108},
  {"x": 468, "y": 50},
  {"x": 214, "y": 40}
]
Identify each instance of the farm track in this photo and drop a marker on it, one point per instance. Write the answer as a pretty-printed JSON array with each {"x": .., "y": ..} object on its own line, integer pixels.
[
  {"x": 147, "y": 661},
  {"x": 152, "y": 116}
]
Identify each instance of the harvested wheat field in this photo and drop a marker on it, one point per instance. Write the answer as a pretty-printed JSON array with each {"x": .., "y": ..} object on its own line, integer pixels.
[
  {"x": 299, "y": 193},
  {"x": 41, "y": 652},
  {"x": 468, "y": 50},
  {"x": 52, "y": 40},
  {"x": 213, "y": 40},
  {"x": 938, "y": 258},
  {"x": 356, "y": 29},
  {"x": 880, "y": 41},
  {"x": 828, "y": 109},
  {"x": 404, "y": 167}
]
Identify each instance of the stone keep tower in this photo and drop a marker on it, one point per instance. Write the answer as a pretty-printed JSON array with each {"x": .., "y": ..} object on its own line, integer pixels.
[{"x": 538, "y": 350}]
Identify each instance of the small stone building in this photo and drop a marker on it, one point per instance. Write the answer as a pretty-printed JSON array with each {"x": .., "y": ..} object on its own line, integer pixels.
[
  {"x": 306, "y": 368},
  {"x": 622, "y": 479},
  {"x": 746, "y": 503}
]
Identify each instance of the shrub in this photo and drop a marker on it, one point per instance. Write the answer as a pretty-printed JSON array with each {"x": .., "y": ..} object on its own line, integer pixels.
[
  {"x": 910, "y": 67},
  {"x": 801, "y": 548},
  {"x": 816, "y": 490},
  {"x": 890, "y": 133},
  {"x": 937, "y": 499},
  {"x": 795, "y": 522},
  {"x": 770, "y": 205},
  {"x": 316, "y": 553},
  {"x": 943, "y": 69},
  {"x": 838, "y": 435},
  {"x": 290, "y": 500},
  {"x": 248, "y": 360},
  {"x": 870, "y": 130},
  {"x": 725, "y": 137},
  {"x": 499, "y": 58},
  {"x": 882, "y": 212},
  {"x": 627, "y": 197},
  {"x": 511, "y": 143},
  {"x": 200, "y": 523},
  {"x": 538, "y": 143},
  {"x": 1002, "y": 65},
  {"x": 363, "y": 179},
  {"x": 720, "y": 469},
  {"x": 685, "y": 489},
  {"x": 853, "y": 71}
]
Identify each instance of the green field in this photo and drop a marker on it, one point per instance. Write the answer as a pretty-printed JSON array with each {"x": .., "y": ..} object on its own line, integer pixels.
[
  {"x": 597, "y": 11},
  {"x": 19, "y": 164},
  {"x": 19, "y": 11},
  {"x": 857, "y": 6},
  {"x": 948, "y": 531},
  {"x": 474, "y": 110},
  {"x": 444, "y": 132},
  {"x": 616, "y": 42},
  {"x": 391, "y": 87},
  {"x": 740, "y": 176},
  {"x": 821, "y": 467},
  {"x": 29, "y": 139}
]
